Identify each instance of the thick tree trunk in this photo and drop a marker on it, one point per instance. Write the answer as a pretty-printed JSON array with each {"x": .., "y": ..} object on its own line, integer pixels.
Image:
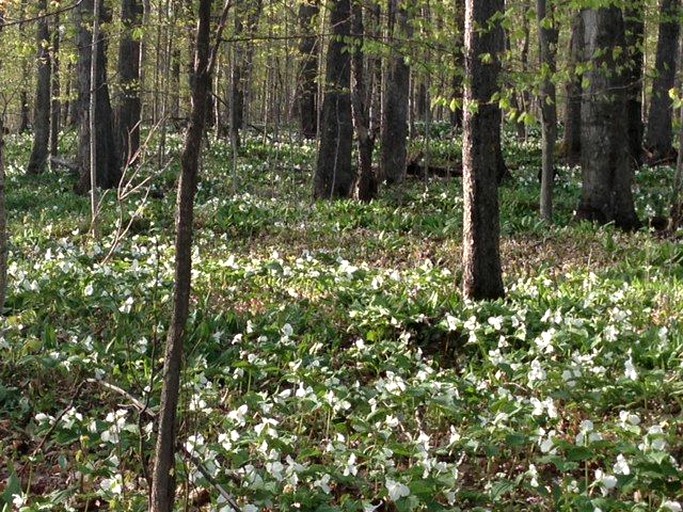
[
  {"x": 573, "y": 91},
  {"x": 547, "y": 36},
  {"x": 482, "y": 274},
  {"x": 129, "y": 110},
  {"x": 396, "y": 94},
  {"x": 366, "y": 184},
  {"x": 41, "y": 119},
  {"x": 658, "y": 139},
  {"x": 163, "y": 478},
  {"x": 308, "y": 89},
  {"x": 607, "y": 171},
  {"x": 334, "y": 175},
  {"x": 634, "y": 27},
  {"x": 108, "y": 169}
]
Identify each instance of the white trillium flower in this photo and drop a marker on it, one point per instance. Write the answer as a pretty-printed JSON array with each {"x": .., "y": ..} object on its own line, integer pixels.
[
  {"x": 673, "y": 506},
  {"x": 621, "y": 467},
  {"x": 351, "y": 469},
  {"x": 396, "y": 490}
]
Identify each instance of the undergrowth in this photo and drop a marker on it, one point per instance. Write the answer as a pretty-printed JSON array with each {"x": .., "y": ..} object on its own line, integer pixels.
[{"x": 331, "y": 363}]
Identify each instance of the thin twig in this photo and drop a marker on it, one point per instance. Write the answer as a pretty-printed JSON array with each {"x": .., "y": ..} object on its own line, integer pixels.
[{"x": 59, "y": 417}]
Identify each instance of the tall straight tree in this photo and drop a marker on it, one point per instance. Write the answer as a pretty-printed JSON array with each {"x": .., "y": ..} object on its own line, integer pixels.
[
  {"x": 363, "y": 88},
  {"x": 482, "y": 273},
  {"x": 3, "y": 209},
  {"x": 658, "y": 137},
  {"x": 41, "y": 119},
  {"x": 107, "y": 161},
  {"x": 634, "y": 27},
  {"x": 547, "y": 37},
  {"x": 573, "y": 90},
  {"x": 56, "y": 104},
  {"x": 334, "y": 176},
  {"x": 308, "y": 71},
  {"x": 163, "y": 477},
  {"x": 129, "y": 108},
  {"x": 396, "y": 92},
  {"x": 605, "y": 159},
  {"x": 242, "y": 63}
]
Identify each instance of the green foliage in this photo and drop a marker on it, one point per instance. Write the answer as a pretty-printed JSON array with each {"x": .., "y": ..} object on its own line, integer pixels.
[{"x": 331, "y": 363}]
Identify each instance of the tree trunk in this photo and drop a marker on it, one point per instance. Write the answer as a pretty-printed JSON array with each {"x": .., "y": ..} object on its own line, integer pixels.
[
  {"x": 634, "y": 27},
  {"x": 3, "y": 208},
  {"x": 525, "y": 107},
  {"x": 308, "y": 89},
  {"x": 56, "y": 105},
  {"x": 366, "y": 185},
  {"x": 573, "y": 91},
  {"x": 607, "y": 171},
  {"x": 396, "y": 94},
  {"x": 482, "y": 274},
  {"x": 108, "y": 170},
  {"x": 129, "y": 110},
  {"x": 658, "y": 139},
  {"x": 334, "y": 175},
  {"x": 459, "y": 58},
  {"x": 547, "y": 36},
  {"x": 41, "y": 119},
  {"x": 163, "y": 477},
  {"x": 242, "y": 63}
]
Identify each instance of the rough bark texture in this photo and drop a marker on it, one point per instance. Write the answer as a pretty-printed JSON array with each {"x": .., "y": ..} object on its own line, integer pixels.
[
  {"x": 108, "y": 162},
  {"x": 547, "y": 36},
  {"x": 658, "y": 139},
  {"x": 573, "y": 90},
  {"x": 129, "y": 109},
  {"x": 634, "y": 27},
  {"x": 163, "y": 478},
  {"x": 41, "y": 118},
  {"x": 396, "y": 93},
  {"x": 366, "y": 183},
  {"x": 607, "y": 171},
  {"x": 308, "y": 89},
  {"x": 482, "y": 274},
  {"x": 334, "y": 175}
]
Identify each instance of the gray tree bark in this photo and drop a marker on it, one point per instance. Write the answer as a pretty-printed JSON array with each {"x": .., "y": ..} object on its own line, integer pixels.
[
  {"x": 547, "y": 36},
  {"x": 129, "y": 108},
  {"x": 634, "y": 27},
  {"x": 482, "y": 274},
  {"x": 108, "y": 168},
  {"x": 334, "y": 176},
  {"x": 659, "y": 135},
  {"x": 396, "y": 93},
  {"x": 362, "y": 94},
  {"x": 605, "y": 160},
  {"x": 308, "y": 70},
  {"x": 242, "y": 63},
  {"x": 56, "y": 104},
  {"x": 41, "y": 119},
  {"x": 573, "y": 91}
]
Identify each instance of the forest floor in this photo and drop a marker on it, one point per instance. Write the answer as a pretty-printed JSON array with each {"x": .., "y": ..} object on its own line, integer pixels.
[{"x": 331, "y": 362}]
